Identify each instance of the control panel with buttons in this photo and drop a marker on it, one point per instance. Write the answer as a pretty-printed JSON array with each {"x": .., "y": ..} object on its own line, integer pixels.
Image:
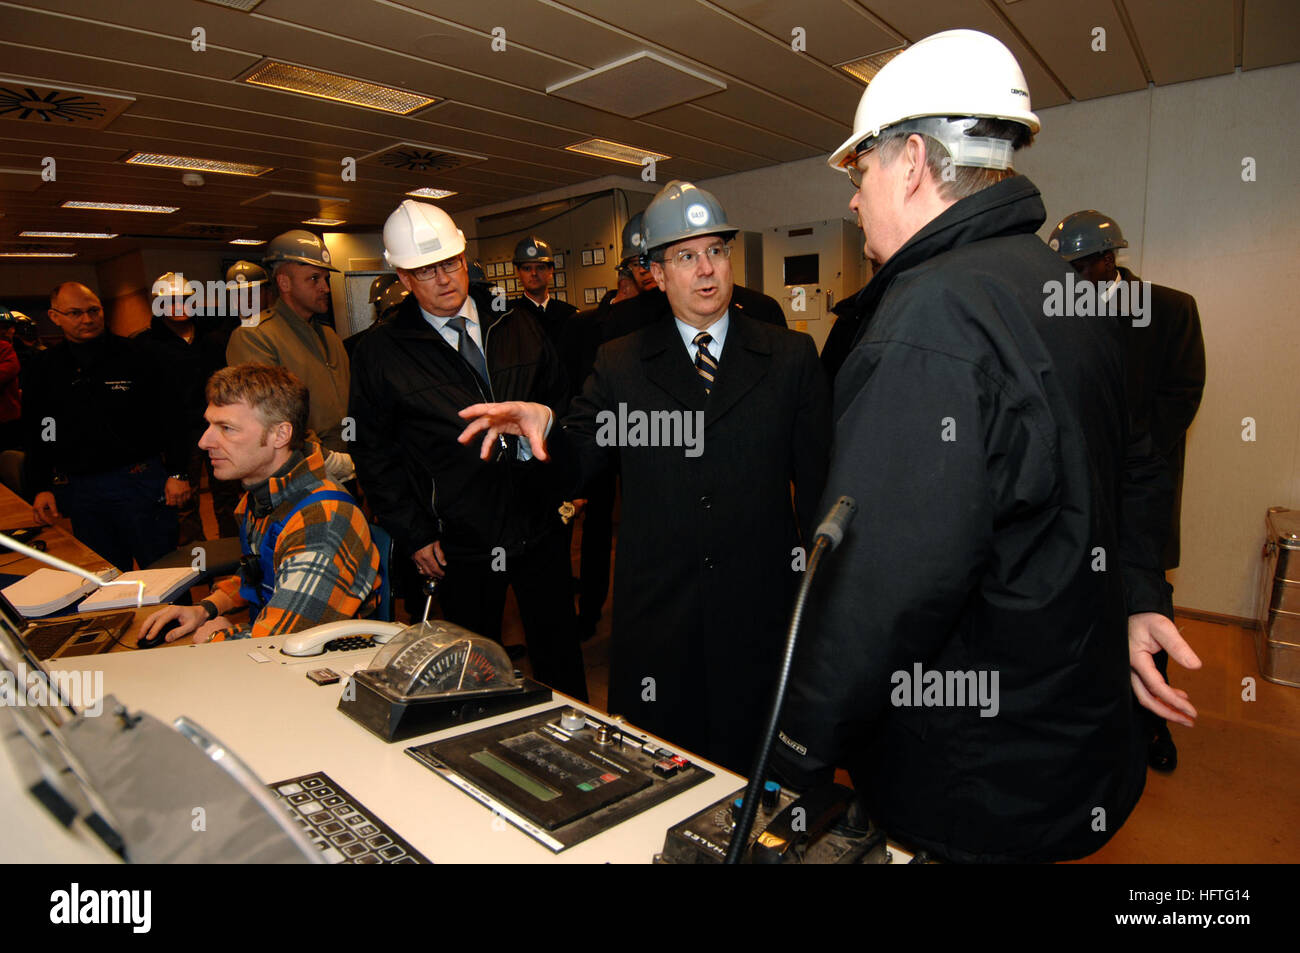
[{"x": 561, "y": 776}]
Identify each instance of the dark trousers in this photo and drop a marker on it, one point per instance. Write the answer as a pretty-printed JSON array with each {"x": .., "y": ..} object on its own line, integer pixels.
[
  {"x": 473, "y": 595},
  {"x": 120, "y": 514},
  {"x": 188, "y": 515},
  {"x": 597, "y": 541}
]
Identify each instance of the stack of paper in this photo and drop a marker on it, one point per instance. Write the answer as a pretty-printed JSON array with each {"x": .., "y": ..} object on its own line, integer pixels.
[
  {"x": 160, "y": 585},
  {"x": 48, "y": 590}
]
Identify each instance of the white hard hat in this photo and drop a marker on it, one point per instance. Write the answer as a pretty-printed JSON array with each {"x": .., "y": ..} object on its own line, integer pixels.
[
  {"x": 419, "y": 234},
  {"x": 173, "y": 285},
  {"x": 957, "y": 73}
]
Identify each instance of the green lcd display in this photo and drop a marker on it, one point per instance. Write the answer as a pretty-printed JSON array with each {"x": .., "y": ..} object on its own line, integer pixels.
[{"x": 515, "y": 776}]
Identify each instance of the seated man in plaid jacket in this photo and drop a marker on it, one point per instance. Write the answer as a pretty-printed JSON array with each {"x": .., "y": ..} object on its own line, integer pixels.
[{"x": 308, "y": 556}]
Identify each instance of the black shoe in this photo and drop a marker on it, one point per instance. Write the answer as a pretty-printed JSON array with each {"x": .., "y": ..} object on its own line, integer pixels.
[
  {"x": 516, "y": 651},
  {"x": 1162, "y": 754}
]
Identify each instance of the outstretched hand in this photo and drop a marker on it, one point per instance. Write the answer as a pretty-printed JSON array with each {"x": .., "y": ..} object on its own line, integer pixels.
[
  {"x": 513, "y": 417},
  {"x": 1148, "y": 633}
]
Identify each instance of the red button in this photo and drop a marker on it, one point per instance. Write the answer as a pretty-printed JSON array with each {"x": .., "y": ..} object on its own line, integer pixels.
[
  {"x": 609, "y": 777},
  {"x": 680, "y": 761}
]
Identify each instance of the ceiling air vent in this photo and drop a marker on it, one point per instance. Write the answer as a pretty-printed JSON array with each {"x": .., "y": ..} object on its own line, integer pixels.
[
  {"x": 413, "y": 157},
  {"x": 59, "y": 107}
]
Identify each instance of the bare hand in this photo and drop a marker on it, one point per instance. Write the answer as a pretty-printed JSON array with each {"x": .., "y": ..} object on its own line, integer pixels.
[
  {"x": 176, "y": 492},
  {"x": 191, "y": 617},
  {"x": 1148, "y": 633},
  {"x": 430, "y": 560},
  {"x": 513, "y": 417},
  {"x": 207, "y": 630},
  {"x": 44, "y": 509}
]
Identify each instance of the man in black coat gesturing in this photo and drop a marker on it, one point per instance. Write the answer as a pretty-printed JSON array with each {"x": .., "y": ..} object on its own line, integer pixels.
[
  {"x": 712, "y": 415},
  {"x": 478, "y": 525}
]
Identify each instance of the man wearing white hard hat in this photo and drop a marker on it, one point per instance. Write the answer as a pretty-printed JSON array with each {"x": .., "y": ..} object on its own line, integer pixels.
[
  {"x": 476, "y": 525},
  {"x": 965, "y": 654}
]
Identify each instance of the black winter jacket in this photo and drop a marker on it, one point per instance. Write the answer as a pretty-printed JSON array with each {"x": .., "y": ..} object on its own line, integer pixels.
[
  {"x": 408, "y": 386},
  {"x": 1003, "y": 511}
]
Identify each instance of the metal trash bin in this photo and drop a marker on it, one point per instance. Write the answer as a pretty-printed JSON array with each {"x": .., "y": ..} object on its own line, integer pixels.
[{"x": 1277, "y": 641}]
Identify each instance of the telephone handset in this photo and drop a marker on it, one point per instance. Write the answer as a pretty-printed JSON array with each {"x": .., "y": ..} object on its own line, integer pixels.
[{"x": 313, "y": 641}]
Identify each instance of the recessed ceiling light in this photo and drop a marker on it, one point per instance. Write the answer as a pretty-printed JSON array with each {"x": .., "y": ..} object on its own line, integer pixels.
[
  {"x": 341, "y": 89},
  {"x": 864, "y": 70},
  {"x": 248, "y": 241},
  {"x": 605, "y": 149},
  {"x": 38, "y": 254},
  {"x": 197, "y": 165},
  {"x": 431, "y": 193},
  {"x": 67, "y": 234},
  {"x": 123, "y": 207},
  {"x": 323, "y": 221}
]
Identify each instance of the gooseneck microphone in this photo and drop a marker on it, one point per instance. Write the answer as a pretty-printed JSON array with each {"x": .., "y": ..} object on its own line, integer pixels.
[{"x": 830, "y": 533}]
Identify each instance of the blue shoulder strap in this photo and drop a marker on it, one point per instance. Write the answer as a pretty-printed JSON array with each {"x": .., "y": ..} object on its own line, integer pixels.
[{"x": 266, "y": 555}]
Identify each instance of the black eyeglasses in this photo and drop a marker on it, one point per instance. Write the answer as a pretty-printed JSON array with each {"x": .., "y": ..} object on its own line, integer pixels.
[
  {"x": 76, "y": 314},
  {"x": 445, "y": 268}
]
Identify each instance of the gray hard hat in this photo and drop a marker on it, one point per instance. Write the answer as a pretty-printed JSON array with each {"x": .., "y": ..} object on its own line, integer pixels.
[
  {"x": 391, "y": 297},
  {"x": 681, "y": 211},
  {"x": 250, "y": 272},
  {"x": 1085, "y": 233},
  {"x": 633, "y": 238},
  {"x": 380, "y": 285},
  {"x": 533, "y": 249},
  {"x": 300, "y": 246},
  {"x": 7, "y": 316}
]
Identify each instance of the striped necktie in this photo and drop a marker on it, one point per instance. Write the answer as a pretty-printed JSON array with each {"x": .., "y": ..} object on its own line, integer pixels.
[
  {"x": 468, "y": 349},
  {"x": 705, "y": 365}
]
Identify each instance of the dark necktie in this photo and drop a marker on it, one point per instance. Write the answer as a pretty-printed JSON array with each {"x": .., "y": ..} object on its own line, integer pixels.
[
  {"x": 468, "y": 349},
  {"x": 705, "y": 365}
]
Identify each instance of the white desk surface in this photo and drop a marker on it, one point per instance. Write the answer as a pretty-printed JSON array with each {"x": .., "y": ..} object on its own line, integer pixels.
[{"x": 283, "y": 725}]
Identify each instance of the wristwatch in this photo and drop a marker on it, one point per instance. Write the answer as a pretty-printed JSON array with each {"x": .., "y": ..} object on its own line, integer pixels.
[
  {"x": 210, "y": 608},
  {"x": 183, "y": 477}
]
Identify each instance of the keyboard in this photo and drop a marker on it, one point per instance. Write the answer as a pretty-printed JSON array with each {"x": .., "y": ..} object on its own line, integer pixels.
[{"x": 339, "y": 826}]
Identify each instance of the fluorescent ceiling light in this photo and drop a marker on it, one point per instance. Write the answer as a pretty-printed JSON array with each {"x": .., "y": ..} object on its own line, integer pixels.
[
  {"x": 67, "y": 234},
  {"x": 38, "y": 254},
  {"x": 340, "y": 89},
  {"x": 248, "y": 241},
  {"x": 323, "y": 221},
  {"x": 197, "y": 165},
  {"x": 431, "y": 193},
  {"x": 617, "y": 151},
  {"x": 123, "y": 207},
  {"x": 864, "y": 70}
]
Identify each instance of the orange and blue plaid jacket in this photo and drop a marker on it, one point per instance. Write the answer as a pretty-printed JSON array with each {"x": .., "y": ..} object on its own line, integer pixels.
[{"x": 326, "y": 567}]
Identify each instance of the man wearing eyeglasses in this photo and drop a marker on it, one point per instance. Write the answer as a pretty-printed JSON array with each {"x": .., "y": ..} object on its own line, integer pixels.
[
  {"x": 965, "y": 656},
  {"x": 103, "y": 417},
  {"x": 478, "y": 526},
  {"x": 709, "y": 543}
]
